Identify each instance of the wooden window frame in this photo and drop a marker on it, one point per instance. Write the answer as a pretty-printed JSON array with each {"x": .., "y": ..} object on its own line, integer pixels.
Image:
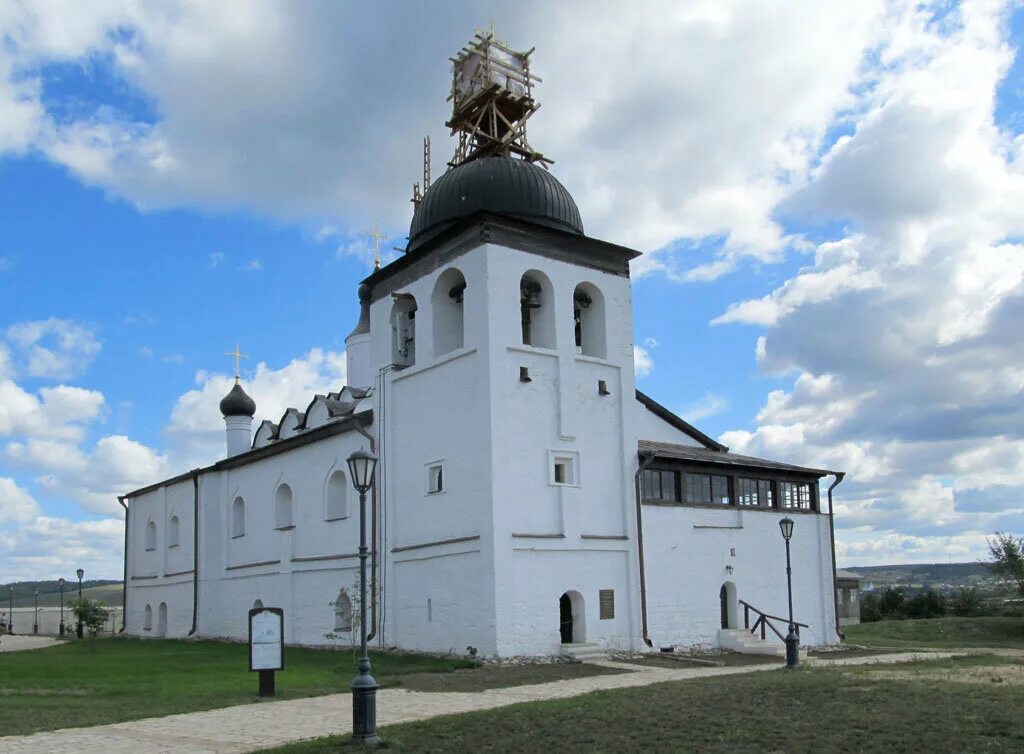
[{"x": 772, "y": 479}]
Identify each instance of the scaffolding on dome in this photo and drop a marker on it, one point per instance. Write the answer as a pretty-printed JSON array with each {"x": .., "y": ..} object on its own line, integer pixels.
[{"x": 492, "y": 99}]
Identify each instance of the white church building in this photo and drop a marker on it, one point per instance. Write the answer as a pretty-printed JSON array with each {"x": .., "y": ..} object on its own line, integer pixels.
[{"x": 528, "y": 496}]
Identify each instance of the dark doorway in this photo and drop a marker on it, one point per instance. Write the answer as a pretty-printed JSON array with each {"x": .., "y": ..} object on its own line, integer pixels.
[
  {"x": 723, "y": 597},
  {"x": 565, "y": 618}
]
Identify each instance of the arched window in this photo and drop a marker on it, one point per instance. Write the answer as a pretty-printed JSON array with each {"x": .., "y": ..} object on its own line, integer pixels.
[
  {"x": 161, "y": 620},
  {"x": 283, "y": 507},
  {"x": 536, "y": 308},
  {"x": 173, "y": 532},
  {"x": 343, "y": 612},
  {"x": 446, "y": 302},
  {"x": 151, "y": 535},
  {"x": 257, "y": 605},
  {"x": 147, "y": 619},
  {"x": 588, "y": 314},
  {"x": 403, "y": 331},
  {"x": 238, "y": 518},
  {"x": 337, "y": 496}
]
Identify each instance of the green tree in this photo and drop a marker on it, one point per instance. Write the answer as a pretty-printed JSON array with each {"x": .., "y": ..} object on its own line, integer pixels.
[
  {"x": 893, "y": 603},
  {"x": 91, "y": 613},
  {"x": 967, "y": 602},
  {"x": 926, "y": 604},
  {"x": 1007, "y": 553}
]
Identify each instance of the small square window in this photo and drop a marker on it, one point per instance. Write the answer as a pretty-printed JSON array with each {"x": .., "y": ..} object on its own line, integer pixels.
[
  {"x": 435, "y": 479},
  {"x": 564, "y": 469}
]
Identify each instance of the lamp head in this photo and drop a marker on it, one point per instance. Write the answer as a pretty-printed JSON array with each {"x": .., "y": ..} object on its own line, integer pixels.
[
  {"x": 60, "y": 582},
  {"x": 786, "y": 525},
  {"x": 80, "y": 573},
  {"x": 361, "y": 466}
]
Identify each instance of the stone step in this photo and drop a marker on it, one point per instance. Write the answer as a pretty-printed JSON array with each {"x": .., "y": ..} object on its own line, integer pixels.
[
  {"x": 742, "y": 641},
  {"x": 583, "y": 651}
]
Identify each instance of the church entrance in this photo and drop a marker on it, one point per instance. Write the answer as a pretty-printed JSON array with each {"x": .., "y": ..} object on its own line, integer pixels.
[
  {"x": 571, "y": 626},
  {"x": 723, "y": 597}
]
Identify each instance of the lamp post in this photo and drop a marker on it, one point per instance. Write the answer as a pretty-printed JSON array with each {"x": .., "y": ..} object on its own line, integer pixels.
[
  {"x": 792, "y": 640},
  {"x": 60, "y": 583},
  {"x": 10, "y": 622},
  {"x": 35, "y": 619},
  {"x": 361, "y": 466},
  {"x": 80, "y": 573}
]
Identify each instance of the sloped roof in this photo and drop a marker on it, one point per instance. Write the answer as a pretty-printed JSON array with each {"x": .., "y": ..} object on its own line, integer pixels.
[
  {"x": 721, "y": 458},
  {"x": 683, "y": 426}
]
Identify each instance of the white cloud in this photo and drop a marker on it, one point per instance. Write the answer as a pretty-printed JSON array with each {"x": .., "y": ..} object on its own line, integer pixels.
[
  {"x": 709, "y": 405},
  {"x": 643, "y": 364},
  {"x": 54, "y": 348},
  {"x": 50, "y": 547},
  {"x": 54, "y": 413},
  {"x": 16, "y": 504},
  {"x": 253, "y": 265},
  {"x": 903, "y": 335},
  {"x": 215, "y": 259}
]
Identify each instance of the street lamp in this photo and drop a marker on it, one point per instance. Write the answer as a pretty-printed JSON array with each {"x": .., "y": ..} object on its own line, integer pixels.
[
  {"x": 361, "y": 466},
  {"x": 80, "y": 573},
  {"x": 10, "y": 622},
  {"x": 60, "y": 583},
  {"x": 792, "y": 640},
  {"x": 35, "y": 620}
]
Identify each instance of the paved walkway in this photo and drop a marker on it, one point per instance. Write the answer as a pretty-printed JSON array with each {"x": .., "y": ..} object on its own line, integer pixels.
[
  {"x": 255, "y": 726},
  {"x": 17, "y": 643}
]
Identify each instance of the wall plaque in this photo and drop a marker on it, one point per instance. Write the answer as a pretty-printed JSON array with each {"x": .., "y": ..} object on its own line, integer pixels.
[{"x": 606, "y": 598}]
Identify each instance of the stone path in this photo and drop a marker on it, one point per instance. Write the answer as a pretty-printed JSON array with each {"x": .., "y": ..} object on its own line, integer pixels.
[
  {"x": 17, "y": 643},
  {"x": 255, "y": 726}
]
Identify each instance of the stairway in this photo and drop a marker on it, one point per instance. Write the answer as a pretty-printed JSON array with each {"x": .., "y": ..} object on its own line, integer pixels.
[
  {"x": 583, "y": 651},
  {"x": 742, "y": 641}
]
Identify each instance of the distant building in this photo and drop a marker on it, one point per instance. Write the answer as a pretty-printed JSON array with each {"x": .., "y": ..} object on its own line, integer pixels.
[{"x": 848, "y": 597}]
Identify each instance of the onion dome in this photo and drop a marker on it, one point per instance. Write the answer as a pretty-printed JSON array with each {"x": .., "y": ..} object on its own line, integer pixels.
[
  {"x": 237, "y": 402},
  {"x": 499, "y": 184}
]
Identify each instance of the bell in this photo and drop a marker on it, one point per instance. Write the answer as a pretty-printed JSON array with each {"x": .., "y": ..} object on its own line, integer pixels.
[{"x": 530, "y": 295}]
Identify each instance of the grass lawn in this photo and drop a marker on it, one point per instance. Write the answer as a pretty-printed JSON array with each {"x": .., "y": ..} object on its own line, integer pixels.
[
  {"x": 79, "y": 684},
  {"x": 940, "y": 632},
  {"x": 972, "y": 704}
]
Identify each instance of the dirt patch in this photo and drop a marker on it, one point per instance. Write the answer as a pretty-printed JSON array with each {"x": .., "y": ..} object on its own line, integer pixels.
[
  {"x": 986, "y": 675},
  {"x": 497, "y": 676},
  {"x": 42, "y": 692}
]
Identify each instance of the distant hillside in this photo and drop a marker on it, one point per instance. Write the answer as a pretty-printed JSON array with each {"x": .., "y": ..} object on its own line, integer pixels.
[
  {"x": 919, "y": 575},
  {"x": 104, "y": 590}
]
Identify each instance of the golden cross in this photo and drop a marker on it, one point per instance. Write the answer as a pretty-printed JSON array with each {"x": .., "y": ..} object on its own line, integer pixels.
[
  {"x": 237, "y": 355},
  {"x": 377, "y": 237}
]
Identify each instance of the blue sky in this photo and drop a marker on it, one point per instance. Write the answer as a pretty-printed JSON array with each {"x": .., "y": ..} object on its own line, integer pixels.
[{"x": 828, "y": 198}]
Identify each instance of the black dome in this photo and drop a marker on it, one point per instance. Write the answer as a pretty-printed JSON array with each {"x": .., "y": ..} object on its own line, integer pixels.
[
  {"x": 503, "y": 185},
  {"x": 237, "y": 403}
]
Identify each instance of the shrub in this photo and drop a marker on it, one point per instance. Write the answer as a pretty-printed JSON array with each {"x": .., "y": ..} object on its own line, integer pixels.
[
  {"x": 893, "y": 603},
  {"x": 966, "y": 603},
  {"x": 927, "y": 604}
]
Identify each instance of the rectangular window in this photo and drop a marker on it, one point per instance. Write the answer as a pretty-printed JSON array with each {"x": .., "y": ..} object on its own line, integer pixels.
[
  {"x": 564, "y": 468},
  {"x": 754, "y": 492},
  {"x": 795, "y": 495},
  {"x": 435, "y": 479},
  {"x": 705, "y": 489},
  {"x": 659, "y": 485}
]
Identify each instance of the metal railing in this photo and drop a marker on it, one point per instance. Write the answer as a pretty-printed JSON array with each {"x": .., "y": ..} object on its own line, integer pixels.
[{"x": 764, "y": 620}]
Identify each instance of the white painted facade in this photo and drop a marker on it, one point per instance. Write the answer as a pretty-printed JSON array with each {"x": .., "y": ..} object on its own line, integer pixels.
[{"x": 535, "y": 451}]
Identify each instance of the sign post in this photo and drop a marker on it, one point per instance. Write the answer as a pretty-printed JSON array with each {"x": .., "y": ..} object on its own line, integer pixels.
[{"x": 266, "y": 645}]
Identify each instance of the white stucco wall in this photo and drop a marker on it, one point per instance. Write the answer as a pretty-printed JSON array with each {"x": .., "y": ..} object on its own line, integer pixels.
[{"x": 687, "y": 551}]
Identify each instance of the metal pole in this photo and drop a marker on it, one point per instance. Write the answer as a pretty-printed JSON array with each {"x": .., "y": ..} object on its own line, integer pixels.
[
  {"x": 10, "y": 623},
  {"x": 79, "y": 629},
  {"x": 792, "y": 640},
  {"x": 35, "y": 616},
  {"x": 364, "y": 687},
  {"x": 62, "y": 608}
]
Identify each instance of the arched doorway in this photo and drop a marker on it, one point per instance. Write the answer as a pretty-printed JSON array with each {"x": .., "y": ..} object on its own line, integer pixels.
[
  {"x": 571, "y": 618},
  {"x": 728, "y": 605}
]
